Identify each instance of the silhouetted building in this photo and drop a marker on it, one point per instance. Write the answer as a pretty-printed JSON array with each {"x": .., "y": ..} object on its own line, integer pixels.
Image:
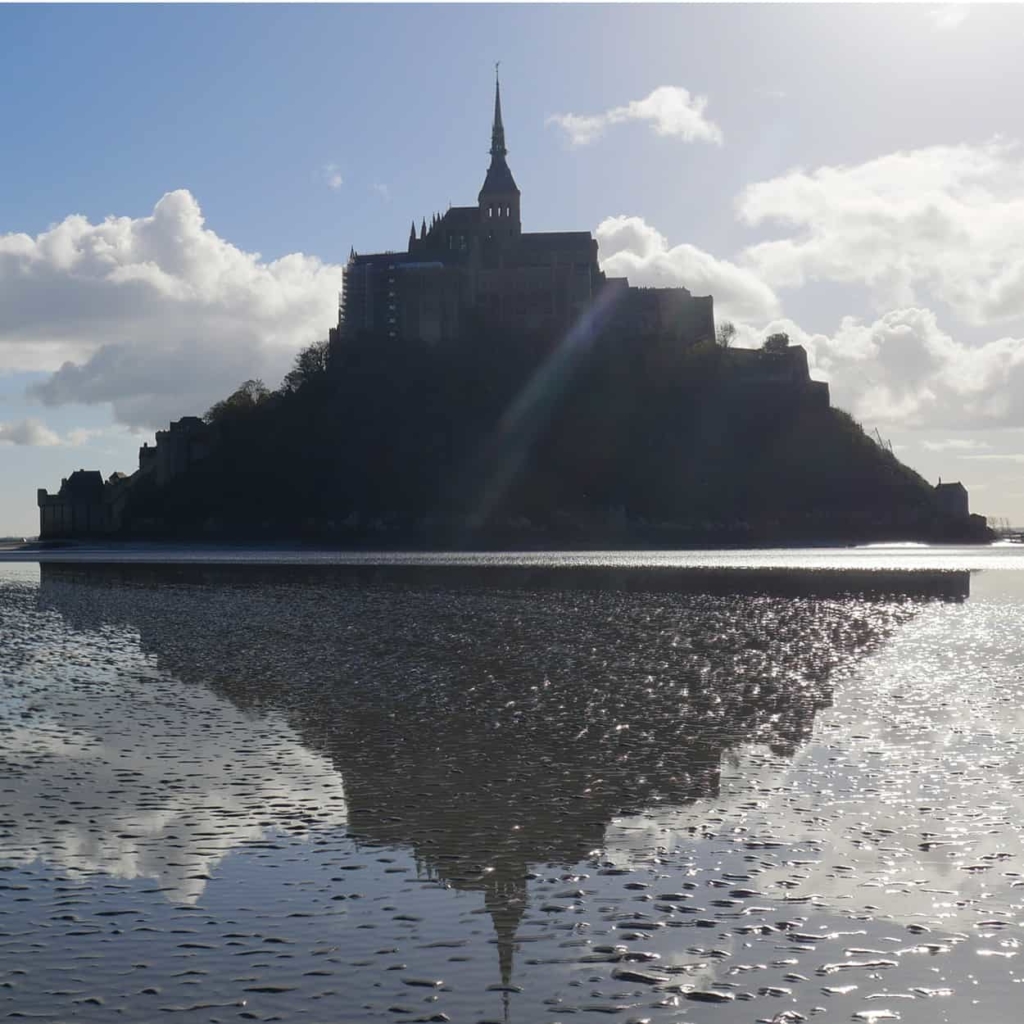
[
  {"x": 952, "y": 500},
  {"x": 474, "y": 270},
  {"x": 186, "y": 442},
  {"x": 84, "y": 506}
]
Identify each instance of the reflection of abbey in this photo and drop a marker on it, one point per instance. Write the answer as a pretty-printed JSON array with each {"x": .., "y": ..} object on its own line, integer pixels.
[{"x": 473, "y": 269}]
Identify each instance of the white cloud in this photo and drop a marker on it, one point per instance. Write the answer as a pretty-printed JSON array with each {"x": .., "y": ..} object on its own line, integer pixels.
[
  {"x": 669, "y": 109},
  {"x": 956, "y": 444},
  {"x": 630, "y": 247},
  {"x": 946, "y": 222},
  {"x": 79, "y": 436},
  {"x": 903, "y": 369},
  {"x": 157, "y": 315},
  {"x": 332, "y": 176},
  {"x": 948, "y": 16},
  {"x": 30, "y": 433},
  {"x": 382, "y": 190},
  {"x": 998, "y": 457}
]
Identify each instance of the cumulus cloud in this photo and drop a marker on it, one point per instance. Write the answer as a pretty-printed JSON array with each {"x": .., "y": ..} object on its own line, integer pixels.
[
  {"x": 157, "y": 315},
  {"x": 382, "y": 190},
  {"x": 903, "y": 369},
  {"x": 669, "y": 109},
  {"x": 630, "y": 247},
  {"x": 944, "y": 222},
  {"x": 30, "y": 433}
]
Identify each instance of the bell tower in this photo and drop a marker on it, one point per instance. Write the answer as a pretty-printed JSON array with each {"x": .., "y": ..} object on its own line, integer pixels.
[{"x": 499, "y": 197}]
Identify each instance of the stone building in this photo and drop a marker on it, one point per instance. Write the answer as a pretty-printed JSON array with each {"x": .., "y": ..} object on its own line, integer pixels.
[
  {"x": 473, "y": 271},
  {"x": 952, "y": 500},
  {"x": 85, "y": 506},
  {"x": 88, "y": 506},
  {"x": 184, "y": 443}
]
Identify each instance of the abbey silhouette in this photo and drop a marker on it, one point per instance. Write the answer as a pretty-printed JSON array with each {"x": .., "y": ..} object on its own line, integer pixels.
[{"x": 473, "y": 271}]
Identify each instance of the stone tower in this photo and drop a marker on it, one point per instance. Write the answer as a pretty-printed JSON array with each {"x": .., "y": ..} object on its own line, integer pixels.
[{"x": 499, "y": 197}]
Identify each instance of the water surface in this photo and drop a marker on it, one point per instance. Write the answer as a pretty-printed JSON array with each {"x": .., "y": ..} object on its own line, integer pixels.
[{"x": 603, "y": 787}]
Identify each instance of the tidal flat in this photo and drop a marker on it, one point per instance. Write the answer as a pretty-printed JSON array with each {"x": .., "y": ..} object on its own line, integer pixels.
[{"x": 760, "y": 787}]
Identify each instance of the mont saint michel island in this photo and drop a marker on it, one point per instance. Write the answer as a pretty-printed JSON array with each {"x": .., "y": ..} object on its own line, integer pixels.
[{"x": 493, "y": 387}]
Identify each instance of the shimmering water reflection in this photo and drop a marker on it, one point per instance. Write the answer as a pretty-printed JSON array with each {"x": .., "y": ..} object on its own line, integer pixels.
[{"x": 354, "y": 793}]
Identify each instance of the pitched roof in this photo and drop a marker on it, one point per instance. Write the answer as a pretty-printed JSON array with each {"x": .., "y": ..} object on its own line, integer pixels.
[{"x": 499, "y": 180}]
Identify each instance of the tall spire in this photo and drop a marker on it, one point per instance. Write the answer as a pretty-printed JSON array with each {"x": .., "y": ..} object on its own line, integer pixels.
[
  {"x": 498, "y": 129},
  {"x": 499, "y": 183}
]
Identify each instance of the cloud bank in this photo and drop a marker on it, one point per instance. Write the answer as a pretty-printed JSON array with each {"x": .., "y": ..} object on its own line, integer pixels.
[
  {"x": 904, "y": 369},
  {"x": 630, "y": 247},
  {"x": 901, "y": 369},
  {"x": 944, "y": 223},
  {"x": 670, "y": 110},
  {"x": 157, "y": 315}
]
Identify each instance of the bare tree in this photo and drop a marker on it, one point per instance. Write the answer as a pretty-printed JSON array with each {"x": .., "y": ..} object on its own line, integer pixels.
[{"x": 725, "y": 334}]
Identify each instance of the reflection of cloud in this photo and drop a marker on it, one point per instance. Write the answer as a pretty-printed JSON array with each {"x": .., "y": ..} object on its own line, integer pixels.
[{"x": 122, "y": 768}]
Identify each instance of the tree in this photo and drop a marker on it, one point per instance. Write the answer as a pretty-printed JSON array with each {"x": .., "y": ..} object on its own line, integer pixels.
[
  {"x": 774, "y": 344},
  {"x": 310, "y": 366},
  {"x": 244, "y": 399},
  {"x": 725, "y": 334}
]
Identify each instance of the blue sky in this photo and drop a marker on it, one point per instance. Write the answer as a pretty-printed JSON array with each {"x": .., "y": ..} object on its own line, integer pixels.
[{"x": 848, "y": 173}]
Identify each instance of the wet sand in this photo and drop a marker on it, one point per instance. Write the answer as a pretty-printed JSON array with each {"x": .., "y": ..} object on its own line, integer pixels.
[{"x": 359, "y": 795}]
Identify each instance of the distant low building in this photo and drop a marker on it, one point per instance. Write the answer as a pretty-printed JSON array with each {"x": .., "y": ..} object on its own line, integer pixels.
[
  {"x": 952, "y": 500},
  {"x": 88, "y": 506},
  {"x": 84, "y": 506}
]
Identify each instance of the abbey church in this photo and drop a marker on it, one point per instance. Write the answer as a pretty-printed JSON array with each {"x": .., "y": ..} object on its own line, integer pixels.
[{"x": 474, "y": 271}]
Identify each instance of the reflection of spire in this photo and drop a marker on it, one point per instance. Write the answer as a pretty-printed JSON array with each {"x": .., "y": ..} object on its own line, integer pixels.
[{"x": 506, "y": 903}]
